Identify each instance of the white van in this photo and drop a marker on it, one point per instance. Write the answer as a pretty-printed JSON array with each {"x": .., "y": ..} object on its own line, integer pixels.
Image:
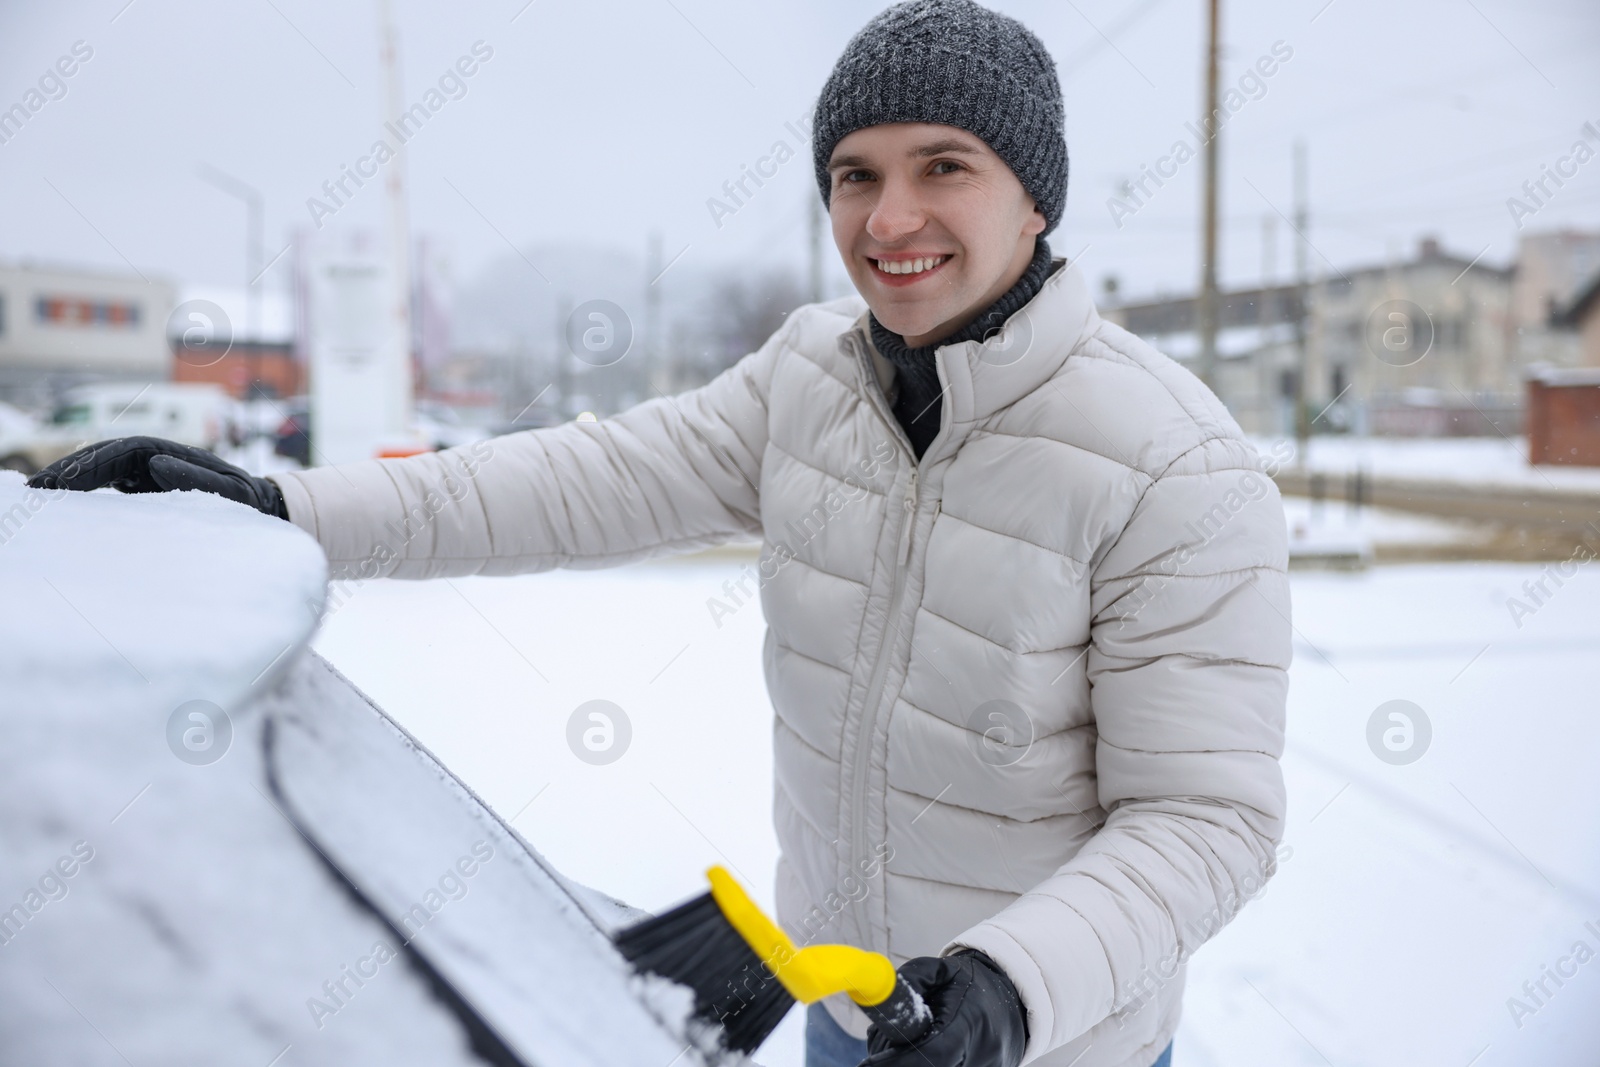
[{"x": 190, "y": 413}]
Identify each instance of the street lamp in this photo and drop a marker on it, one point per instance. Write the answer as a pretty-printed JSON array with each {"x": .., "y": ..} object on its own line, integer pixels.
[{"x": 252, "y": 251}]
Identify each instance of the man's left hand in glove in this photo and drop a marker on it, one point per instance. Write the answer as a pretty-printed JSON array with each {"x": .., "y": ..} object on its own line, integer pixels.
[
  {"x": 156, "y": 465},
  {"x": 978, "y": 1018}
]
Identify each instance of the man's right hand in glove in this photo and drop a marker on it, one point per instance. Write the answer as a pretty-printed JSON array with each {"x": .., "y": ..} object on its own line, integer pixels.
[
  {"x": 978, "y": 1017},
  {"x": 156, "y": 465}
]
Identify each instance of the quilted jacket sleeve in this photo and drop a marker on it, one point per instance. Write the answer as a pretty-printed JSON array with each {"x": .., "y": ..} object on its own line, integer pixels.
[
  {"x": 1190, "y": 644},
  {"x": 672, "y": 474}
]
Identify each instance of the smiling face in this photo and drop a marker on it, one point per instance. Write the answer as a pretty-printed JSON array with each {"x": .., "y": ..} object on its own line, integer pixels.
[{"x": 931, "y": 223}]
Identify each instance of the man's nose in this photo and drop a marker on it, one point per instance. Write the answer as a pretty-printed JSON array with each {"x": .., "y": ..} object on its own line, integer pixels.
[{"x": 897, "y": 214}]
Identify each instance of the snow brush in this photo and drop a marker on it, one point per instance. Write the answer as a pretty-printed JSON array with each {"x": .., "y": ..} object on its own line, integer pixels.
[{"x": 746, "y": 973}]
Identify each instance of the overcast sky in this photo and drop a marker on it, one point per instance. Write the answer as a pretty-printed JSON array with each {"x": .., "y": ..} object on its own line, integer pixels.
[{"x": 600, "y": 121}]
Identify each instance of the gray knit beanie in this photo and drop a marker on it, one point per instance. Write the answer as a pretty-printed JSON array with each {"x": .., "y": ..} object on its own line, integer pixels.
[{"x": 954, "y": 63}]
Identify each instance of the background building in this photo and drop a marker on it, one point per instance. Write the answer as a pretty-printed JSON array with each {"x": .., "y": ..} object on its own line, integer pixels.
[
  {"x": 1578, "y": 325},
  {"x": 1256, "y": 354},
  {"x": 248, "y": 369},
  {"x": 1552, "y": 270},
  {"x": 1564, "y": 399},
  {"x": 1437, "y": 344},
  {"x": 242, "y": 341},
  {"x": 1417, "y": 347},
  {"x": 61, "y": 327}
]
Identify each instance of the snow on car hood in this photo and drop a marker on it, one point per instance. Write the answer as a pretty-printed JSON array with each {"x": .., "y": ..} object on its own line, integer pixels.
[{"x": 216, "y": 849}]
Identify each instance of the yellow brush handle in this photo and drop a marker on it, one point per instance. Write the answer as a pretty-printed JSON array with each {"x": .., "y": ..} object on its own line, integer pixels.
[{"x": 811, "y": 973}]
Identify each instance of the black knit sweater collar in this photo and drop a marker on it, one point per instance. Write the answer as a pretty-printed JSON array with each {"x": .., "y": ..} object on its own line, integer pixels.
[{"x": 919, "y": 403}]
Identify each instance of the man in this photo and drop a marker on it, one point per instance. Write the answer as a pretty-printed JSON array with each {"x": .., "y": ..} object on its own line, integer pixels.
[{"x": 1025, "y": 586}]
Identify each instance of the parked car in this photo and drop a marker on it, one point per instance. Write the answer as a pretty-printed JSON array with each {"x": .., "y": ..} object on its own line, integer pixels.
[
  {"x": 13, "y": 420},
  {"x": 436, "y": 425},
  {"x": 536, "y": 419},
  {"x": 220, "y": 851},
  {"x": 189, "y": 413},
  {"x": 443, "y": 427},
  {"x": 293, "y": 438}
]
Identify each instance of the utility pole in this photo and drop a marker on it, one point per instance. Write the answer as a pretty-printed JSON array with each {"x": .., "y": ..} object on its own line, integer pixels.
[
  {"x": 563, "y": 360},
  {"x": 1265, "y": 316},
  {"x": 252, "y": 267},
  {"x": 399, "y": 229},
  {"x": 1266, "y": 311},
  {"x": 1302, "y": 221},
  {"x": 252, "y": 239},
  {"x": 816, "y": 246},
  {"x": 652, "y": 315},
  {"x": 1212, "y": 124}
]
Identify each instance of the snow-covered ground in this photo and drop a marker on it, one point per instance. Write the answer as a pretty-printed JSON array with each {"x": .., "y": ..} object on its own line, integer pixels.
[
  {"x": 256, "y": 455},
  {"x": 1334, "y": 527},
  {"x": 1480, "y": 460},
  {"x": 1442, "y": 910},
  {"x": 1418, "y": 899}
]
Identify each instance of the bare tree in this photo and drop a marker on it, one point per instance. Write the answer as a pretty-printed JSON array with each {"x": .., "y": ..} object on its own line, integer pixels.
[{"x": 739, "y": 311}]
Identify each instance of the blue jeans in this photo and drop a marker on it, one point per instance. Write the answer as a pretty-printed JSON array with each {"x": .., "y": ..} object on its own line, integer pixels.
[{"x": 827, "y": 1045}]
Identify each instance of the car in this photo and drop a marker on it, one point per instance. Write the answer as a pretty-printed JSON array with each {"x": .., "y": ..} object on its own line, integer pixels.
[
  {"x": 436, "y": 425},
  {"x": 293, "y": 437},
  {"x": 219, "y": 850},
  {"x": 536, "y": 419},
  {"x": 441, "y": 425},
  {"x": 190, "y": 413}
]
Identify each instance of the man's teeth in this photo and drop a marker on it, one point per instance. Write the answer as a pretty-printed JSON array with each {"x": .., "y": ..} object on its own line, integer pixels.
[{"x": 909, "y": 266}]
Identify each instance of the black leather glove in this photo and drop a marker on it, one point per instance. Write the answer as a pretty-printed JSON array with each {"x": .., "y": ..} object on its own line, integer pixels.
[
  {"x": 978, "y": 1018},
  {"x": 156, "y": 465}
]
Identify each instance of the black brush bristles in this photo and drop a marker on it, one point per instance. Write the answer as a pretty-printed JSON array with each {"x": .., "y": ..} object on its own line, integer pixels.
[{"x": 695, "y": 945}]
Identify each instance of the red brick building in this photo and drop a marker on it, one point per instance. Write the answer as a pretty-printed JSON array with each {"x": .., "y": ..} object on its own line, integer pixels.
[
  {"x": 1563, "y": 405},
  {"x": 1563, "y": 415},
  {"x": 246, "y": 369}
]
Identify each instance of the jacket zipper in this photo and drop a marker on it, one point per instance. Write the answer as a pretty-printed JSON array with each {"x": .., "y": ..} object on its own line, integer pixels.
[
  {"x": 880, "y": 669},
  {"x": 905, "y": 527}
]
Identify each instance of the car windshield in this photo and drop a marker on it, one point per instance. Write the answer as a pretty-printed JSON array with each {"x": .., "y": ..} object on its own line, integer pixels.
[{"x": 70, "y": 414}]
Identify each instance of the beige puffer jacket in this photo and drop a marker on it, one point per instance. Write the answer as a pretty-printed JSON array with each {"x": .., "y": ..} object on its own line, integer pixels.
[{"x": 1030, "y": 691}]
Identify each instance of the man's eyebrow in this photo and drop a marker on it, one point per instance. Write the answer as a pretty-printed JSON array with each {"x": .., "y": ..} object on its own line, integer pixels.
[
  {"x": 939, "y": 148},
  {"x": 932, "y": 148}
]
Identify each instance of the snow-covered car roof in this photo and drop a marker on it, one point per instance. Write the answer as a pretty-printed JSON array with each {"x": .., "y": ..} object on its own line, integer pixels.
[{"x": 217, "y": 850}]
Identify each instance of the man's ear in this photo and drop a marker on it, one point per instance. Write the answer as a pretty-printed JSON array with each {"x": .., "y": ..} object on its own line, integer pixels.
[{"x": 1036, "y": 222}]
